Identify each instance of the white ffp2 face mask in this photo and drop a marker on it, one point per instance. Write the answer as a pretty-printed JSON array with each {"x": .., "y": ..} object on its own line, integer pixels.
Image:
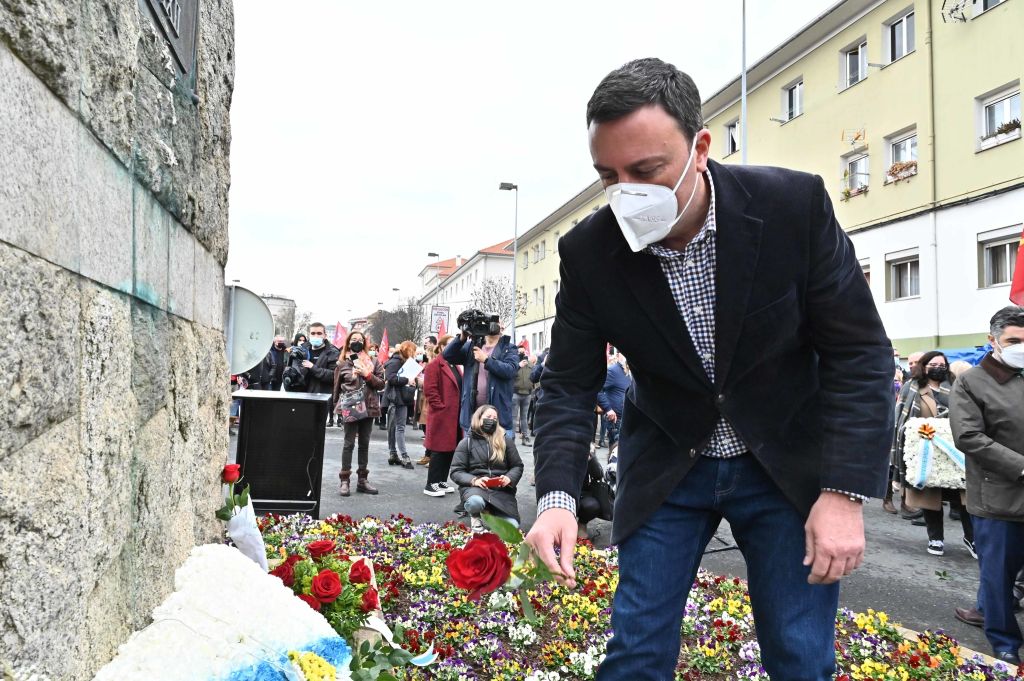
[
  {"x": 1012, "y": 355},
  {"x": 646, "y": 213}
]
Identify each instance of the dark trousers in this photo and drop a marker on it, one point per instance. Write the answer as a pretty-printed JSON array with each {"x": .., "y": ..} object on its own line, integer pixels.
[
  {"x": 362, "y": 429},
  {"x": 440, "y": 466},
  {"x": 795, "y": 620},
  {"x": 1000, "y": 545}
]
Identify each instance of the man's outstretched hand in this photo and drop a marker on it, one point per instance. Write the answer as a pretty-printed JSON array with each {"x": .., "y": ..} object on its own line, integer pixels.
[
  {"x": 555, "y": 527},
  {"x": 834, "y": 535}
]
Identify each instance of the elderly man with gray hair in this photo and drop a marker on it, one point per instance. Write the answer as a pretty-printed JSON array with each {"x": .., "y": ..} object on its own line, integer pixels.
[{"x": 986, "y": 409}]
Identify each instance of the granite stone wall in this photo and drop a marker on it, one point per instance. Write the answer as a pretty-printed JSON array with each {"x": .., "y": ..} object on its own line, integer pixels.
[{"x": 113, "y": 379}]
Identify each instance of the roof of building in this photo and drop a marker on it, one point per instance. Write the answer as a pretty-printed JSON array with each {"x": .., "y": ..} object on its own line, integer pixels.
[{"x": 500, "y": 248}]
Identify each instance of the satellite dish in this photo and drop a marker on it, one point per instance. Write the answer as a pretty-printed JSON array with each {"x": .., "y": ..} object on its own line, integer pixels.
[{"x": 250, "y": 329}]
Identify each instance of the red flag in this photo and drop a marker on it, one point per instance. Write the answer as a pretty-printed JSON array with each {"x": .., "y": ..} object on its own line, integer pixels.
[
  {"x": 385, "y": 349},
  {"x": 1017, "y": 288},
  {"x": 340, "y": 334},
  {"x": 441, "y": 330},
  {"x": 525, "y": 344}
]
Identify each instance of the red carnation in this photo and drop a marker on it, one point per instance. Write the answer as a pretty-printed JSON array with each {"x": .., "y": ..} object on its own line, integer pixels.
[
  {"x": 370, "y": 600},
  {"x": 310, "y": 601},
  {"x": 481, "y": 566},
  {"x": 231, "y": 473},
  {"x": 359, "y": 573},
  {"x": 285, "y": 573},
  {"x": 326, "y": 586},
  {"x": 321, "y": 548}
]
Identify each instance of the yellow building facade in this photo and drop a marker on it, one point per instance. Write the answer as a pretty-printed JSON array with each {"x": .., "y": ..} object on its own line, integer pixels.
[{"x": 910, "y": 112}]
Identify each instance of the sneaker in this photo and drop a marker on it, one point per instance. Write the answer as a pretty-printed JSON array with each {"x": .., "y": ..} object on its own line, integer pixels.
[
  {"x": 448, "y": 489},
  {"x": 936, "y": 547},
  {"x": 433, "y": 489},
  {"x": 970, "y": 548},
  {"x": 477, "y": 526}
]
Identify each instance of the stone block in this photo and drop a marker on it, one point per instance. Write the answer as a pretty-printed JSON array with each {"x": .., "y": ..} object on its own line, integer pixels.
[
  {"x": 39, "y": 138},
  {"x": 39, "y": 325},
  {"x": 209, "y": 294},
  {"x": 181, "y": 284},
  {"x": 103, "y": 212},
  {"x": 152, "y": 224},
  {"x": 151, "y": 342},
  {"x": 111, "y": 33},
  {"x": 47, "y": 37}
]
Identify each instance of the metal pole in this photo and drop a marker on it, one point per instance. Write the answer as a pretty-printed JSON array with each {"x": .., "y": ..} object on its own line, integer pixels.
[
  {"x": 231, "y": 322},
  {"x": 743, "y": 90},
  {"x": 515, "y": 266}
]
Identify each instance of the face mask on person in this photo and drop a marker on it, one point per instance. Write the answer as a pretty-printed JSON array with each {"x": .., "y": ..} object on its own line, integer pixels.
[
  {"x": 279, "y": 346},
  {"x": 356, "y": 346},
  {"x": 373, "y": 353},
  {"x": 646, "y": 213},
  {"x": 419, "y": 357},
  {"x": 489, "y": 425},
  {"x": 1012, "y": 355},
  {"x": 316, "y": 341},
  {"x": 937, "y": 373}
]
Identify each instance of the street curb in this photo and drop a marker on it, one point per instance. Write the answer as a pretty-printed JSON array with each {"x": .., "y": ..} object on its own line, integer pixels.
[{"x": 965, "y": 652}]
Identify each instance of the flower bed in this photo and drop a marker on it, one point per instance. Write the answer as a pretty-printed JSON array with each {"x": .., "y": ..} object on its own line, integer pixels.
[{"x": 491, "y": 640}]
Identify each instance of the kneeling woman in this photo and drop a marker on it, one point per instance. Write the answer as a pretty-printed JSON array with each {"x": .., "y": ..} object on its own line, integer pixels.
[{"x": 487, "y": 468}]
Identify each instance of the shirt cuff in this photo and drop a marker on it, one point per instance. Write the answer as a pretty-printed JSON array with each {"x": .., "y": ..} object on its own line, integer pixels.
[
  {"x": 852, "y": 495},
  {"x": 556, "y": 500}
]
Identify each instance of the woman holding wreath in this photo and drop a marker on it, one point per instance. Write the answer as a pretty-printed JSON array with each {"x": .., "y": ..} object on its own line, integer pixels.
[{"x": 357, "y": 380}]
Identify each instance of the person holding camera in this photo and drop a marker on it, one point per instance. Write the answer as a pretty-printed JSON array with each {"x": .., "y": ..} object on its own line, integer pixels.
[
  {"x": 357, "y": 379},
  {"x": 489, "y": 362},
  {"x": 323, "y": 358},
  {"x": 400, "y": 398},
  {"x": 487, "y": 468}
]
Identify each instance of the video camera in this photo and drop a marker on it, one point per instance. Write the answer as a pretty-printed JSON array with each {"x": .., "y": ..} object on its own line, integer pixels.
[
  {"x": 294, "y": 375},
  {"x": 478, "y": 324}
]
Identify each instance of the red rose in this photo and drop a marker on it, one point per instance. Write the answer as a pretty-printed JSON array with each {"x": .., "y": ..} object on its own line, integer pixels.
[
  {"x": 326, "y": 586},
  {"x": 285, "y": 573},
  {"x": 359, "y": 573},
  {"x": 481, "y": 566},
  {"x": 310, "y": 601},
  {"x": 231, "y": 473},
  {"x": 293, "y": 559},
  {"x": 370, "y": 600},
  {"x": 321, "y": 548}
]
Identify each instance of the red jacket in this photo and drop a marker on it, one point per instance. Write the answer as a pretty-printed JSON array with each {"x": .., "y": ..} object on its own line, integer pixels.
[{"x": 441, "y": 392}]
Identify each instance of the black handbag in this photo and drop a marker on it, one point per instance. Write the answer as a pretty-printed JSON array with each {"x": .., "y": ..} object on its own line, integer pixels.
[
  {"x": 408, "y": 394},
  {"x": 602, "y": 491}
]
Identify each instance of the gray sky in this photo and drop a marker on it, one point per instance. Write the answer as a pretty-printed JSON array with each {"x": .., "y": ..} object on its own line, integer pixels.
[{"x": 365, "y": 135}]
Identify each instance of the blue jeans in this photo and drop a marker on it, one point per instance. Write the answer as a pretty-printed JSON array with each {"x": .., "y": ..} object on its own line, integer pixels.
[
  {"x": 795, "y": 621},
  {"x": 476, "y": 505},
  {"x": 397, "y": 415},
  {"x": 1000, "y": 556}
]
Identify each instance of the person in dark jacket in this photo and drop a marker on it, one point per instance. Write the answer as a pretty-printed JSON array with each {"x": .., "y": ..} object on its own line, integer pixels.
[
  {"x": 357, "y": 380},
  {"x": 487, "y": 469},
  {"x": 487, "y": 374},
  {"x": 442, "y": 386},
  {"x": 276, "y": 360},
  {"x": 612, "y": 397},
  {"x": 400, "y": 396},
  {"x": 523, "y": 394},
  {"x": 323, "y": 358}
]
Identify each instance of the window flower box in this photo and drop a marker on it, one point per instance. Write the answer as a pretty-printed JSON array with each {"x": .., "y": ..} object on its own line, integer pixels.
[
  {"x": 1006, "y": 132},
  {"x": 901, "y": 171}
]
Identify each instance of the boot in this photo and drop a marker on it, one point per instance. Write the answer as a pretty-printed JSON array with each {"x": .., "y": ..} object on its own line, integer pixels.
[
  {"x": 393, "y": 459},
  {"x": 887, "y": 504},
  {"x": 345, "y": 475},
  {"x": 362, "y": 485},
  {"x": 406, "y": 462},
  {"x": 330, "y": 421}
]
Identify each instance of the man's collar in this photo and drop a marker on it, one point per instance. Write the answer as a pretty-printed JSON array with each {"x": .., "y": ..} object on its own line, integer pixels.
[
  {"x": 997, "y": 370},
  {"x": 709, "y": 226}
]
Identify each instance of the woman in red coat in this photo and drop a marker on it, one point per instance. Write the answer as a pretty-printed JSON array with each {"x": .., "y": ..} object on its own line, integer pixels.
[{"x": 442, "y": 388}]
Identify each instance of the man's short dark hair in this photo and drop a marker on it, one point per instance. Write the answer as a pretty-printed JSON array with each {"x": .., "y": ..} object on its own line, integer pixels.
[
  {"x": 643, "y": 82},
  {"x": 318, "y": 324},
  {"x": 1011, "y": 315},
  {"x": 432, "y": 339}
]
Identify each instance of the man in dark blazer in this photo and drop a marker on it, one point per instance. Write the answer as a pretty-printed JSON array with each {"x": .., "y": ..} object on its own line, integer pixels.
[{"x": 762, "y": 381}]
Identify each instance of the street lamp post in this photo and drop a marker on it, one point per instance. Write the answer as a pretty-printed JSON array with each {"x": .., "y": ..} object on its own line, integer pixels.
[
  {"x": 437, "y": 286},
  {"x": 508, "y": 186}
]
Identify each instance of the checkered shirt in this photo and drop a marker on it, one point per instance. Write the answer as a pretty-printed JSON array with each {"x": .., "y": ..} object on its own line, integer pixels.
[{"x": 691, "y": 278}]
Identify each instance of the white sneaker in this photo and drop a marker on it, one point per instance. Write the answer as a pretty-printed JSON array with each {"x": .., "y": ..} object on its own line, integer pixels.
[
  {"x": 448, "y": 489},
  {"x": 433, "y": 489},
  {"x": 936, "y": 547},
  {"x": 477, "y": 525}
]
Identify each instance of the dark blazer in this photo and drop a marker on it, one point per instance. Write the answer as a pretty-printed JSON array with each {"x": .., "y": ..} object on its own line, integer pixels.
[
  {"x": 441, "y": 390},
  {"x": 803, "y": 366}
]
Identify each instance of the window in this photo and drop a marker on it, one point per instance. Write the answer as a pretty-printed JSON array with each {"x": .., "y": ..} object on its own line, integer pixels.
[
  {"x": 866, "y": 269},
  {"x": 856, "y": 64},
  {"x": 542, "y": 297},
  {"x": 855, "y": 176},
  {"x": 999, "y": 259},
  {"x": 794, "y": 100},
  {"x": 555, "y": 242},
  {"x": 526, "y": 260},
  {"x": 989, "y": 4},
  {"x": 902, "y": 149},
  {"x": 543, "y": 249},
  {"x": 901, "y": 37},
  {"x": 1001, "y": 114},
  {"x": 732, "y": 137},
  {"x": 905, "y": 278},
  {"x": 905, "y": 150},
  {"x": 534, "y": 296},
  {"x": 555, "y": 285}
]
